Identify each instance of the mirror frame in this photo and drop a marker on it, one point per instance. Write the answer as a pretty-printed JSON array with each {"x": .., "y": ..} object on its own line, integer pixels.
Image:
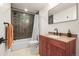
[{"x": 50, "y": 18}]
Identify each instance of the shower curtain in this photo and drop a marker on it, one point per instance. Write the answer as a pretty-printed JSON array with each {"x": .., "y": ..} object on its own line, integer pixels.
[{"x": 35, "y": 33}]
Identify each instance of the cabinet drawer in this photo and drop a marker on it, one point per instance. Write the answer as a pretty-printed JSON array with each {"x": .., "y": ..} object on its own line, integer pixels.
[{"x": 57, "y": 43}]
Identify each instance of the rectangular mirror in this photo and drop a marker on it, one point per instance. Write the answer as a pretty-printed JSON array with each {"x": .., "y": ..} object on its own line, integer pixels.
[{"x": 63, "y": 12}]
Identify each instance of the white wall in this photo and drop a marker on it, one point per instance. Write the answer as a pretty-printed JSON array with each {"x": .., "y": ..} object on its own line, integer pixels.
[
  {"x": 43, "y": 13},
  {"x": 62, "y": 27},
  {"x": 43, "y": 21},
  {"x": 5, "y": 16}
]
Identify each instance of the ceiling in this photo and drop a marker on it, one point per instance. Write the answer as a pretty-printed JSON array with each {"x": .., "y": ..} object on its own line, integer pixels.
[{"x": 32, "y": 7}]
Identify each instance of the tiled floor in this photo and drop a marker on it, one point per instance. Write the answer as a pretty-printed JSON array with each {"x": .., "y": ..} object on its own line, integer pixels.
[{"x": 29, "y": 51}]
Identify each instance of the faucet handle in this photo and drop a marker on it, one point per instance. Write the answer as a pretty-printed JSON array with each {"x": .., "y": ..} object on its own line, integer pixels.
[
  {"x": 59, "y": 34},
  {"x": 56, "y": 31}
]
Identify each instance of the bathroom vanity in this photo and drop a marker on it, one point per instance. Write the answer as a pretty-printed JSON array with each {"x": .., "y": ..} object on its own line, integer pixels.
[{"x": 53, "y": 45}]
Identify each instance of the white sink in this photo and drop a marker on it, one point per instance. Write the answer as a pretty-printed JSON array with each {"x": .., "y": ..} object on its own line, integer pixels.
[{"x": 54, "y": 36}]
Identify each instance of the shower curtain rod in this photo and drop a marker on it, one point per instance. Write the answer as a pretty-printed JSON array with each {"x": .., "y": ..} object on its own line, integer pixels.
[{"x": 20, "y": 10}]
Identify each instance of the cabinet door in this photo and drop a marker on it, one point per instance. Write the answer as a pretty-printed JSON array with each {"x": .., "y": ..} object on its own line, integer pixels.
[
  {"x": 42, "y": 46},
  {"x": 48, "y": 49},
  {"x": 55, "y": 51}
]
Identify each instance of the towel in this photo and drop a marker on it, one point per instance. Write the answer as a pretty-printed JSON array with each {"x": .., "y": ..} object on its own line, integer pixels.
[{"x": 9, "y": 36}]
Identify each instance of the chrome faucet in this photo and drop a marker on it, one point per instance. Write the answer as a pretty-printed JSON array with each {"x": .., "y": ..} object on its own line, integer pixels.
[{"x": 56, "y": 31}]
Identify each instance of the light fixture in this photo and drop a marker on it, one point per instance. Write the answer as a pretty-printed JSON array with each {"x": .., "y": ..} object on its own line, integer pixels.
[
  {"x": 53, "y": 4},
  {"x": 25, "y": 10},
  {"x": 27, "y": 21},
  {"x": 50, "y": 3}
]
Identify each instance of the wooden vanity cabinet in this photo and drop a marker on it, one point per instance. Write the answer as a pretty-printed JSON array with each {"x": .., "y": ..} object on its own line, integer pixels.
[
  {"x": 42, "y": 46},
  {"x": 55, "y": 48},
  {"x": 52, "y": 47}
]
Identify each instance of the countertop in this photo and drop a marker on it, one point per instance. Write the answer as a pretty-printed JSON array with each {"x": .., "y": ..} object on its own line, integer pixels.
[{"x": 60, "y": 38}]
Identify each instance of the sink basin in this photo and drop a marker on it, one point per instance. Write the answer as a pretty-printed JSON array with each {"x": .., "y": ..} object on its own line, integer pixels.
[{"x": 53, "y": 36}]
